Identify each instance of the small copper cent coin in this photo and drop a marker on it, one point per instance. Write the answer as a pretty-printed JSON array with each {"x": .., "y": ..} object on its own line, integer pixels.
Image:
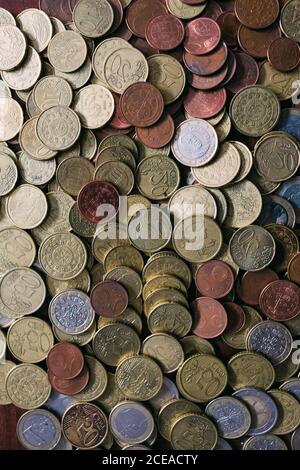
[
  {"x": 210, "y": 318},
  {"x": 202, "y": 36},
  {"x": 164, "y": 32},
  {"x": 280, "y": 300},
  {"x": 142, "y": 104},
  {"x": 109, "y": 299},
  {"x": 65, "y": 361},
  {"x": 253, "y": 283},
  {"x": 98, "y": 201},
  {"x": 70, "y": 387},
  {"x": 214, "y": 279},
  {"x": 284, "y": 54}
]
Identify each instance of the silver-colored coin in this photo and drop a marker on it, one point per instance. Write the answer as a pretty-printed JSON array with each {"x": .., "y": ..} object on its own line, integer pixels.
[
  {"x": 36, "y": 172},
  {"x": 67, "y": 51},
  {"x": 39, "y": 430},
  {"x": 58, "y": 128},
  {"x": 131, "y": 423},
  {"x": 37, "y": 27},
  {"x": 266, "y": 442},
  {"x": 11, "y": 117},
  {"x": 80, "y": 77},
  {"x": 231, "y": 417},
  {"x": 6, "y": 18},
  {"x": 13, "y": 47},
  {"x": 93, "y": 18},
  {"x": 52, "y": 91},
  {"x": 272, "y": 339},
  {"x": 59, "y": 403},
  {"x": 9, "y": 174},
  {"x": 4, "y": 90}
]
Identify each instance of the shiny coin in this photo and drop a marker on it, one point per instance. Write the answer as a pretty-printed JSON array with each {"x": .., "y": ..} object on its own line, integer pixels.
[
  {"x": 158, "y": 346},
  {"x": 38, "y": 430},
  {"x": 247, "y": 369},
  {"x": 93, "y": 18},
  {"x": 27, "y": 74},
  {"x": 288, "y": 21},
  {"x": 15, "y": 42},
  {"x": 288, "y": 412},
  {"x": 67, "y": 51},
  {"x": 11, "y": 118},
  {"x": 231, "y": 417},
  {"x": 58, "y": 128},
  {"x": 203, "y": 437},
  {"x": 288, "y": 191},
  {"x": 93, "y": 117},
  {"x": 6, "y": 17},
  {"x": 131, "y": 422},
  {"x": 71, "y": 300}
]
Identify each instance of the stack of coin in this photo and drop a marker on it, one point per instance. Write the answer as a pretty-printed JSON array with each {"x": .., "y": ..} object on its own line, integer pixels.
[{"x": 149, "y": 212}]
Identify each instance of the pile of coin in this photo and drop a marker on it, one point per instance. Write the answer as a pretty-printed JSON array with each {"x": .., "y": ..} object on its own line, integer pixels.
[{"x": 149, "y": 211}]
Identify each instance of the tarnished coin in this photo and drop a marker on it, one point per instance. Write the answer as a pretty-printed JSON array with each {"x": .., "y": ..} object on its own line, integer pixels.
[
  {"x": 27, "y": 74},
  {"x": 157, "y": 177},
  {"x": 52, "y": 91},
  {"x": 81, "y": 226},
  {"x": 230, "y": 415},
  {"x": 139, "y": 378},
  {"x": 37, "y": 27},
  {"x": 251, "y": 285},
  {"x": 151, "y": 108},
  {"x": 287, "y": 245},
  {"x": 117, "y": 173},
  {"x": 191, "y": 200},
  {"x": 9, "y": 174},
  {"x": 171, "y": 318},
  {"x": 27, "y": 386},
  {"x": 288, "y": 412},
  {"x": 255, "y": 111},
  {"x": 116, "y": 153},
  {"x": 63, "y": 256},
  {"x": 247, "y": 369},
  {"x": 195, "y": 143},
  {"x": 36, "y": 172},
  {"x": 38, "y": 430},
  {"x": 73, "y": 173},
  {"x": 167, "y": 75},
  {"x": 65, "y": 361},
  {"x": 203, "y": 437},
  {"x": 93, "y": 18},
  {"x": 31, "y": 144},
  {"x": 272, "y": 339},
  {"x": 67, "y": 51},
  {"x": 20, "y": 206},
  {"x": 168, "y": 263},
  {"x": 129, "y": 279},
  {"x": 252, "y": 248},
  {"x": 274, "y": 297},
  {"x": 30, "y": 339},
  {"x": 11, "y": 118},
  {"x": 58, "y": 128},
  {"x": 158, "y": 347},
  {"x": 61, "y": 311},
  {"x": 194, "y": 345},
  {"x": 171, "y": 411},
  {"x": 244, "y": 204},
  {"x": 94, "y": 105},
  {"x": 12, "y": 40},
  {"x": 260, "y": 15},
  {"x": 289, "y": 20},
  {"x": 5, "y": 368}
]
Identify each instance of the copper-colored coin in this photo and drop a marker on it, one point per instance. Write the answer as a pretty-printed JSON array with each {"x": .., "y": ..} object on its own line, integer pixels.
[
  {"x": 118, "y": 121},
  {"x": 65, "y": 361},
  {"x": 193, "y": 2},
  {"x": 284, "y": 54},
  {"x": 252, "y": 284},
  {"x": 202, "y": 36},
  {"x": 210, "y": 318},
  {"x": 94, "y": 195},
  {"x": 143, "y": 46},
  {"x": 85, "y": 425},
  {"x": 257, "y": 14},
  {"x": 140, "y": 13},
  {"x": 231, "y": 64},
  {"x": 214, "y": 279},
  {"x": 165, "y": 32},
  {"x": 229, "y": 25},
  {"x": 294, "y": 269},
  {"x": 158, "y": 135},
  {"x": 58, "y": 8},
  {"x": 213, "y": 10},
  {"x": 109, "y": 299},
  {"x": 142, "y": 104},
  {"x": 206, "y": 64},
  {"x": 70, "y": 387},
  {"x": 210, "y": 81},
  {"x": 118, "y": 14},
  {"x": 280, "y": 300},
  {"x": 257, "y": 43},
  {"x": 204, "y": 104},
  {"x": 236, "y": 317},
  {"x": 247, "y": 73}
]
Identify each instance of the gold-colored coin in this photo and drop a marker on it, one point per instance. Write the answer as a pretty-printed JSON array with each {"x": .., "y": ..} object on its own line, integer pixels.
[
  {"x": 192, "y": 200},
  {"x": 130, "y": 318},
  {"x": 163, "y": 282},
  {"x": 119, "y": 140},
  {"x": 255, "y": 110},
  {"x": 238, "y": 340},
  {"x": 171, "y": 318},
  {"x": 27, "y": 386},
  {"x": 74, "y": 151},
  {"x": 246, "y": 161},
  {"x": 294, "y": 326},
  {"x": 288, "y": 412},
  {"x": 52, "y": 91},
  {"x": 150, "y": 230},
  {"x": 80, "y": 339},
  {"x": 74, "y": 173},
  {"x": 167, "y": 263},
  {"x": 93, "y": 18},
  {"x": 115, "y": 341},
  {"x": 164, "y": 296},
  {"x": 265, "y": 187},
  {"x": 223, "y": 128},
  {"x": 112, "y": 395},
  {"x": 5, "y": 221},
  {"x": 116, "y": 154},
  {"x": 195, "y": 432},
  {"x": 139, "y": 378},
  {"x": 36, "y": 172},
  {"x": 247, "y": 369},
  {"x": 97, "y": 382},
  {"x": 194, "y": 345},
  {"x": 63, "y": 256},
  {"x": 88, "y": 144},
  {"x": 244, "y": 204},
  {"x": 222, "y": 206},
  {"x": 145, "y": 151},
  {"x": 31, "y": 144},
  {"x": 67, "y": 51},
  {"x": 202, "y": 378},
  {"x": 79, "y": 77},
  {"x": 58, "y": 128},
  {"x": 30, "y": 339},
  {"x": 129, "y": 279},
  {"x": 286, "y": 369},
  {"x": 171, "y": 412},
  {"x": 108, "y": 237},
  {"x": 136, "y": 66},
  {"x": 214, "y": 121},
  {"x": 158, "y": 347},
  {"x": 22, "y": 292},
  {"x": 197, "y": 239},
  {"x": 281, "y": 83},
  {"x": 101, "y": 53},
  {"x": 20, "y": 205},
  {"x": 17, "y": 249},
  {"x": 117, "y": 173},
  {"x": 27, "y": 74},
  {"x": 222, "y": 170},
  {"x": 183, "y": 10},
  {"x": 5, "y": 368},
  {"x": 135, "y": 203},
  {"x": 287, "y": 244},
  {"x": 93, "y": 117},
  {"x": 293, "y": 269},
  {"x": 57, "y": 220},
  {"x": 80, "y": 225},
  {"x": 157, "y": 177},
  {"x": 167, "y": 74},
  {"x": 124, "y": 256}
]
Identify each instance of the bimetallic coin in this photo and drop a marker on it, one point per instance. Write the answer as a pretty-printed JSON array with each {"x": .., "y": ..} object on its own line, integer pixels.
[
  {"x": 97, "y": 115},
  {"x": 139, "y": 378},
  {"x": 158, "y": 347},
  {"x": 292, "y": 386},
  {"x": 13, "y": 41},
  {"x": 231, "y": 416},
  {"x": 93, "y": 18},
  {"x": 67, "y": 51},
  {"x": 131, "y": 423},
  {"x": 58, "y": 128},
  {"x": 27, "y": 386},
  {"x": 247, "y": 369},
  {"x": 289, "y": 191},
  {"x": 288, "y": 412},
  {"x": 264, "y": 413},
  {"x": 71, "y": 312},
  {"x": 167, "y": 393},
  {"x": 97, "y": 382},
  {"x": 194, "y": 431},
  {"x": 265, "y": 442},
  {"x": 81, "y": 339},
  {"x": 38, "y": 430},
  {"x": 30, "y": 339},
  {"x": 5, "y": 368},
  {"x": 195, "y": 143},
  {"x": 94, "y": 425},
  {"x": 271, "y": 339},
  {"x": 278, "y": 211},
  {"x": 63, "y": 256},
  {"x": 11, "y": 117},
  {"x": 286, "y": 369}
]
